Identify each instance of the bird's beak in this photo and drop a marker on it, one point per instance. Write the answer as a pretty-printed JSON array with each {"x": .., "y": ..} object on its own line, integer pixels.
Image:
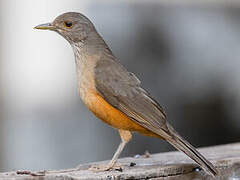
[{"x": 47, "y": 26}]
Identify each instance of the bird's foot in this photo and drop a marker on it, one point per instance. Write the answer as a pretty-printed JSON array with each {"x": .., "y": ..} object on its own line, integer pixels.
[{"x": 105, "y": 167}]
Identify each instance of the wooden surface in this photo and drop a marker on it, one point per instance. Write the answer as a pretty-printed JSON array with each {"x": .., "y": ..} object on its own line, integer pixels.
[{"x": 162, "y": 166}]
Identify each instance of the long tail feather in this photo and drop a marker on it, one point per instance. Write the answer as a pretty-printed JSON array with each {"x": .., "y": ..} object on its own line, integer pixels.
[{"x": 182, "y": 145}]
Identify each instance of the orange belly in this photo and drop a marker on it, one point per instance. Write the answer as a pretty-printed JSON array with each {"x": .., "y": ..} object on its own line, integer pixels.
[{"x": 110, "y": 115}]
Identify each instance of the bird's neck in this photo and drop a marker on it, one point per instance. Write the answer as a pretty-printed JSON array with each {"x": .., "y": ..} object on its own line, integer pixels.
[
  {"x": 90, "y": 47},
  {"x": 87, "y": 53}
]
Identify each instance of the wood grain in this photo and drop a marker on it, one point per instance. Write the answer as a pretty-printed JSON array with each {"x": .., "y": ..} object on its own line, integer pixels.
[{"x": 162, "y": 166}]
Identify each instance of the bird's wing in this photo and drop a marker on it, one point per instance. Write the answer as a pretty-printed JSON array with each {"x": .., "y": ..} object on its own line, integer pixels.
[{"x": 122, "y": 90}]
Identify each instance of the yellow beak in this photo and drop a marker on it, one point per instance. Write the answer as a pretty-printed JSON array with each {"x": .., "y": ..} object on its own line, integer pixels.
[{"x": 47, "y": 26}]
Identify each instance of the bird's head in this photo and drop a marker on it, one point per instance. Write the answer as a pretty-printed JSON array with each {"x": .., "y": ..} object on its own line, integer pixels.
[{"x": 73, "y": 26}]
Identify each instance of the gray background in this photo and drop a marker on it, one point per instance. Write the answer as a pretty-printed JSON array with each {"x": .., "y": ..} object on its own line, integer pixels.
[{"x": 186, "y": 54}]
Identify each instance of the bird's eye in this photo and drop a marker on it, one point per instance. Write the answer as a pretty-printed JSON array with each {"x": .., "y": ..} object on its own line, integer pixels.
[{"x": 68, "y": 24}]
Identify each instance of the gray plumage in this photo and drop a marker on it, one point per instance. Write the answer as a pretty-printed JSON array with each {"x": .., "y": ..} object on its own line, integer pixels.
[
  {"x": 122, "y": 90},
  {"x": 115, "y": 84}
]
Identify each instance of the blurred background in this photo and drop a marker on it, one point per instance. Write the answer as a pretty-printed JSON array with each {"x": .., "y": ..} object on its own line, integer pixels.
[{"x": 187, "y": 55}]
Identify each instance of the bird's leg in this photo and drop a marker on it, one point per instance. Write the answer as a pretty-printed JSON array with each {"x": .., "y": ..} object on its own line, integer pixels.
[{"x": 126, "y": 136}]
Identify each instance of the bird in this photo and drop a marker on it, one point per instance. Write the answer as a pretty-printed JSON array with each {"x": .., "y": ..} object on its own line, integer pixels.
[{"x": 113, "y": 94}]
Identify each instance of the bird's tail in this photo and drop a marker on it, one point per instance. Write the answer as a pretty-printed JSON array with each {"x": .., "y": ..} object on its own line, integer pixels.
[{"x": 182, "y": 145}]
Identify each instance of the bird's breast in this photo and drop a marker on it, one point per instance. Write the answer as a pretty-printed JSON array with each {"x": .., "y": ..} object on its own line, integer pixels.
[{"x": 95, "y": 102}]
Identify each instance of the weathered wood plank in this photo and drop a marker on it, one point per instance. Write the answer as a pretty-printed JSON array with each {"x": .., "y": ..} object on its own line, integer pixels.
[{"x": 162, "y": 166}]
